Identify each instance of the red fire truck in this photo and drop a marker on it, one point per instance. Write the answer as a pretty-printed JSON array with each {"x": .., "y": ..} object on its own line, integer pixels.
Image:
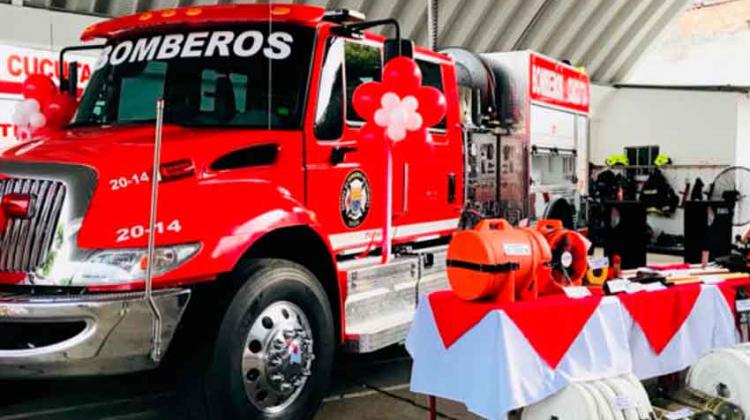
[{"x": 265, "y": 244}]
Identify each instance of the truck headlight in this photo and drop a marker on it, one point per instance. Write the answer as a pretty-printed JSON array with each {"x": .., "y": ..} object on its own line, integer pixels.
[{"x": 114, "y": 266}]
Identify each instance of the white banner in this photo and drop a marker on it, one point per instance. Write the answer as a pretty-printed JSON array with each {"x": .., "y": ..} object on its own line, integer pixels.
[
  {"x": 6, "y": 127},
  {"x": 17, "y": 63}
]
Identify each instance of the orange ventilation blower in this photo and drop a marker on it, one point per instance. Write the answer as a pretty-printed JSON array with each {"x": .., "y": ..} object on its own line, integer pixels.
[
  {"x": 569, "y": 254},
  {"x": 495, "y": 261}
]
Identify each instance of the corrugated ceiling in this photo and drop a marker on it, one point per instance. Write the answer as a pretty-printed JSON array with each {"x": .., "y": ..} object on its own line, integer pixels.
[{"x": 605, "y": 36}]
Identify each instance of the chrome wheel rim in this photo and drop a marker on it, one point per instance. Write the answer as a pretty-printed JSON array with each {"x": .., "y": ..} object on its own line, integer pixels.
[{"x": 278, "y": 356}]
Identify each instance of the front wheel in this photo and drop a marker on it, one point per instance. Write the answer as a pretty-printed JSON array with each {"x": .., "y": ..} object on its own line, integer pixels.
[{"x": 274, "y": 350}]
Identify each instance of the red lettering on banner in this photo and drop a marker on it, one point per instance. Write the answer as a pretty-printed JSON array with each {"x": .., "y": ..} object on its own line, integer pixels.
[
  {"x": 557, "y": 84},
  {"x": 5, "y": 129},
  {"x": 13, "y": 70},
  {"x": 44, "y": 65},
  {"x": 18, "y": 64},
  {"x": 29, "y": 66},
  {"x": 85, "y": 73}
]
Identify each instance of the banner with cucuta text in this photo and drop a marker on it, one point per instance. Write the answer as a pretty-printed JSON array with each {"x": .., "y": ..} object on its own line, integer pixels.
[{"x": 17, "y": 63}]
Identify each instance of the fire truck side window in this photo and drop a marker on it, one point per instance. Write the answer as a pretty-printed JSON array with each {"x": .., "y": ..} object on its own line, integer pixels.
[
  {"x": 363, "y": 63},
  {"x": 432, "y": 75},
  {"x": 329, "y": 115}
]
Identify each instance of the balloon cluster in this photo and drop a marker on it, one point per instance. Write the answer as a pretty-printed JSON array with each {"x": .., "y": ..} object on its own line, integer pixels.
[
  {"x": 43, "y": 109},
  {"x": 399, "y": 107}
]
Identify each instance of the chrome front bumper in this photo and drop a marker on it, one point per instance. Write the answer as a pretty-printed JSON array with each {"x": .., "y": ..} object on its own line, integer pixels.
[{"x": 116, "y": 334}]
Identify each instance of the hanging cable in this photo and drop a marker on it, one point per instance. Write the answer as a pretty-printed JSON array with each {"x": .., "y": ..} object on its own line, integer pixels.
[{"x": 432, "y": 23}]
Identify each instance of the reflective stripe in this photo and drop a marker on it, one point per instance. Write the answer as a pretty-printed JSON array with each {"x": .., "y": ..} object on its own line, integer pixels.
[{"x": 365, "y": 237}]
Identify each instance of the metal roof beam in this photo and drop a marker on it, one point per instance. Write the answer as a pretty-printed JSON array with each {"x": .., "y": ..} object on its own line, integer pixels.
[
  {"x": 533, "y": 25},
  {"x": 550, "y": 24},
  {"x": 350, "y": 4},
  {"x": 594, "y": 27},
  {"x": 483, "y": 24},
  {"x": 458, "y": 29},
  {"x": 412, "y": 18},
  {"x": 494, "y": 29},
  {"x": 380, "y": 9},
  {"x": 574, "y": 19},
  {"x": 621, "y": 25},
  {"x": 518, "y": 25},
  {"x": 614, "y": 58},
  {"x": 648, "y": 40}
]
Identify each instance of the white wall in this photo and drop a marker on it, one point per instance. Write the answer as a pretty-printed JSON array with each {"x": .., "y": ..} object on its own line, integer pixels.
[
  {"x": 600, "y": 97},
  {"x": 692, "y": 127},
  {"x": 39, "y": 28},
  {"x": 29, "y": 41},
  {"x": 743, "y": 131},
  {"x": 720, "y": 59},
  {"x": 706, "y": 45}
]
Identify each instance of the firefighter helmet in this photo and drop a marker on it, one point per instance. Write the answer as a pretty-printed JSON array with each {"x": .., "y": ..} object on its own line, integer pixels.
[
  {"x": 662, "y": 159},
  {"x": 617, "y": 159}
]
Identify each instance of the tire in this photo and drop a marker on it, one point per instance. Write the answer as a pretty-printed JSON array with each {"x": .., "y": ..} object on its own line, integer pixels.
[{"x": 273, "y": 289}]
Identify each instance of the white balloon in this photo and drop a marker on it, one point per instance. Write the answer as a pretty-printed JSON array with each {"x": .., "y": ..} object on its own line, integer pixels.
[
  {"x": 381, "y": 117},
  {"x": 398, "y": 116},
  {"x": 390, "y": 100},
  {"x": 37, "y": 120},
  {"x": 31, "y": 106},
  {"x": 396, "y": 132},
  {"x": 19, "y": 118},
  {"x": 410, "y": 104},
  {"x": 414, "y": 122}
]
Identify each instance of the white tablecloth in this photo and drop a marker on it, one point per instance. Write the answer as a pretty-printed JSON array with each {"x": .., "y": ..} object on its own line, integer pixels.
[{"x": 493, "y": 369}]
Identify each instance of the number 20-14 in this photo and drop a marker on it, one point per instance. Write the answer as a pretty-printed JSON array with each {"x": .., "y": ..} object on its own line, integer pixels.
[
  {"x": 139, "y": 231},
  {"x": 124, "y": 182}
]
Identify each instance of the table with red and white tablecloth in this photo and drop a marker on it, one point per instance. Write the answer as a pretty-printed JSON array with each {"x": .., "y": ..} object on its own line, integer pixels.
[{"x": 499, "y": 357}]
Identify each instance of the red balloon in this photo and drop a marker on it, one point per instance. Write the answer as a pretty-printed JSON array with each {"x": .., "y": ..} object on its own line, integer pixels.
[
  {"x": 370, "y": 134},
  {"x": 39, "y": 87},
  {"x": 402, "y": 74},
  {"x": 59, "y": 110},
  {"x": 367, "y": 99},
  {"x": 432, "y": 105}
]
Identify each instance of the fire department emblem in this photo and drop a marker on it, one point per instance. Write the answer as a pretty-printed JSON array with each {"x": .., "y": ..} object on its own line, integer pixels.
[{"x": 355, "y": 199}]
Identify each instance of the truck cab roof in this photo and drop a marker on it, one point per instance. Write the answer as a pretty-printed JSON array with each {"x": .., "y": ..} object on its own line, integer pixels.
[
  {"x": 203, "y": 15},
  {"x": 198, "y": 16}
]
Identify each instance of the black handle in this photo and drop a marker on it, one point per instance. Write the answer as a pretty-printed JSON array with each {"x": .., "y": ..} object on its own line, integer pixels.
[
  {"x": 339, "y": 153},
  {"x": 451, "y": 188}
]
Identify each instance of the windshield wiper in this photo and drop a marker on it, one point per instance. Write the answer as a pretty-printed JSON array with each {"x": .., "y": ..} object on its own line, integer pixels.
[{"x": 100, "y": 123}]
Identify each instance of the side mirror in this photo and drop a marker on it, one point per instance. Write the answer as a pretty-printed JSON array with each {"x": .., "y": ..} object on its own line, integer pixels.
[
  {"x": 71, "y": 84},
  {"x": 395, "y": 47}
]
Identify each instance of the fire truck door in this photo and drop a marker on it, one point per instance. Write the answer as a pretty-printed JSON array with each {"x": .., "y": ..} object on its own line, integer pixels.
[
  {"x": 427, "y": 174},
  {"x": 344, "y": 177}
]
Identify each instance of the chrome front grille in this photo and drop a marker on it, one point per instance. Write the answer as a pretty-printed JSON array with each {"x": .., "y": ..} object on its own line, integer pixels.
[{"x": 25, "y": 243}]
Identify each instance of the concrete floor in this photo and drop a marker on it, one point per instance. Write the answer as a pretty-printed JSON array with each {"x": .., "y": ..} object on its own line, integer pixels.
[
  {"x": 366, "y": 387},
  {"x": 369, "y": 387}
]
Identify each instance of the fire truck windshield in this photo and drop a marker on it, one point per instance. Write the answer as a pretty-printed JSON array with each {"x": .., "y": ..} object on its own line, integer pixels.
[{"x": 241, "y": 76}]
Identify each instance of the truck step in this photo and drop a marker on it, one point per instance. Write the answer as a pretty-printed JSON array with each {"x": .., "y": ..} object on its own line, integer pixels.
[
  {"x": 377, "y": 333},
  {"x": 383, "y": 298}
]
